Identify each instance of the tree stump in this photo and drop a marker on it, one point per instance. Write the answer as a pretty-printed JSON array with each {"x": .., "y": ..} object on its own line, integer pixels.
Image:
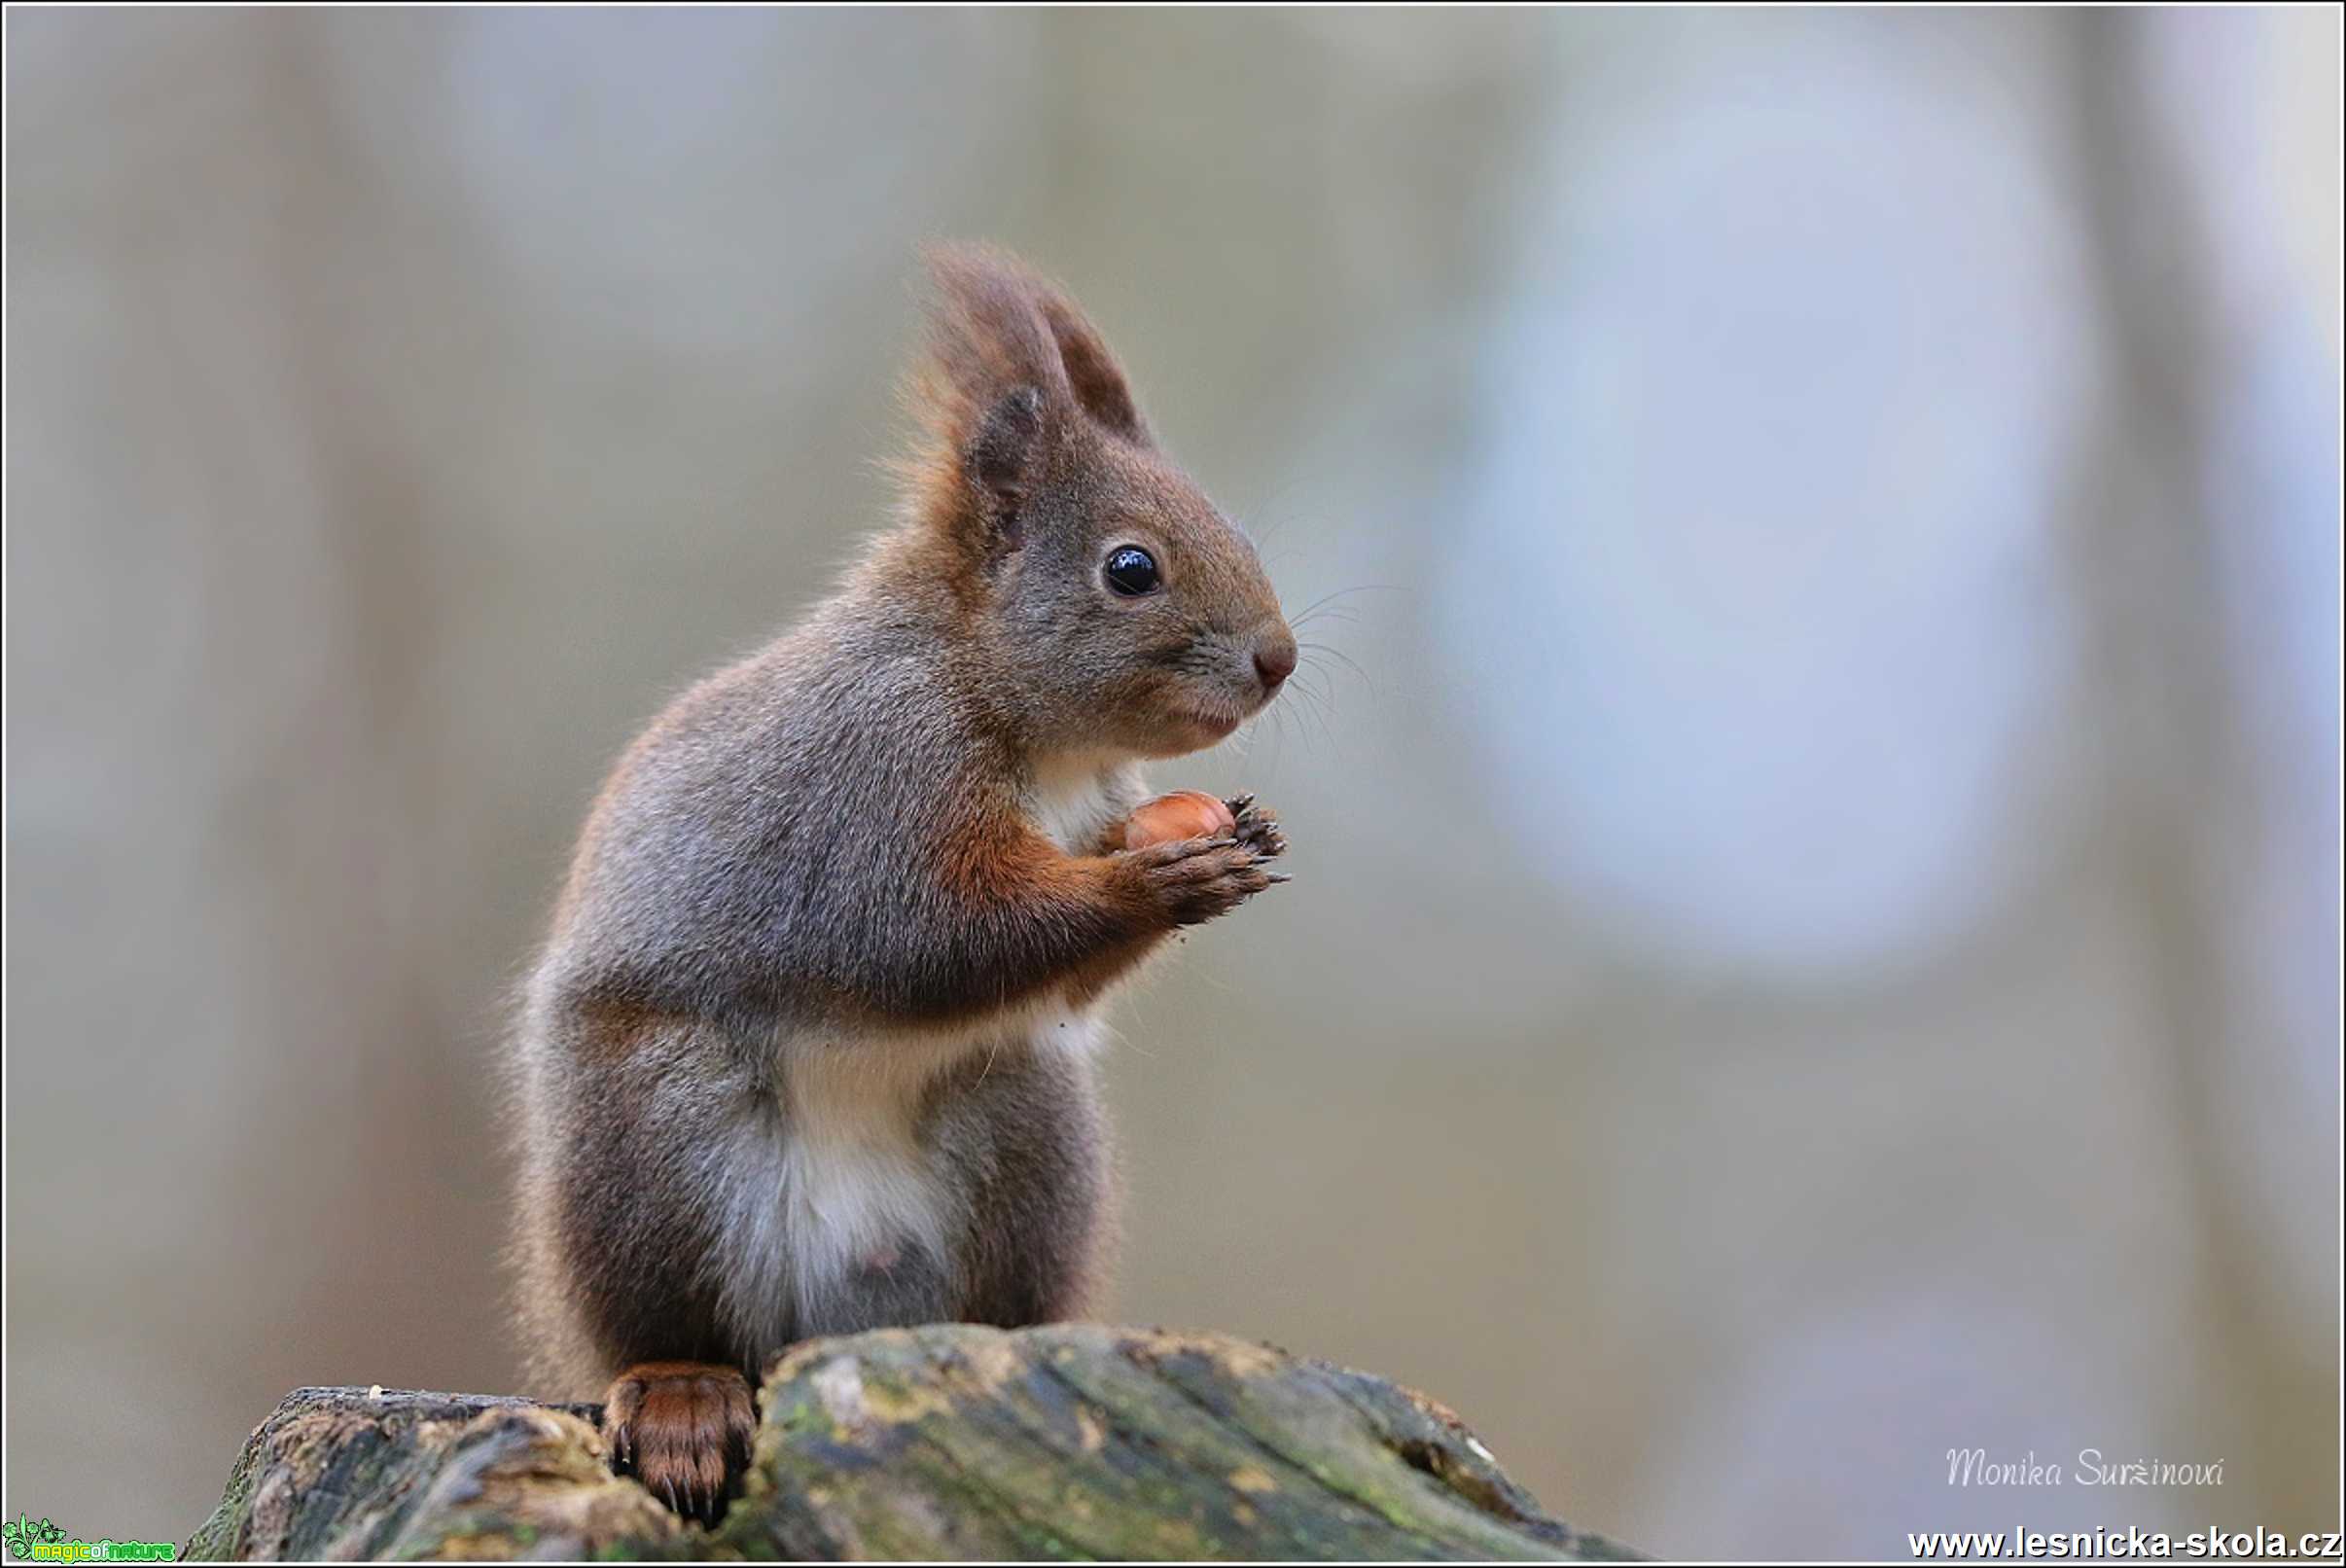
[{"x": 947, "y": 1442}]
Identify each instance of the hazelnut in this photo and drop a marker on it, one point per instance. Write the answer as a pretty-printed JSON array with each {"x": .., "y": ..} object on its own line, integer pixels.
[{"x": 1182, "y": 814}]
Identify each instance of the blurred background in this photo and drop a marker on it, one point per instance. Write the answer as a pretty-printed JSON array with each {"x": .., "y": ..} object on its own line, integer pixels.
[{"x": 1817, "y": 922}]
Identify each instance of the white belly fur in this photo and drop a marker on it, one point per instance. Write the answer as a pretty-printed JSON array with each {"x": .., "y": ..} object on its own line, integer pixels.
[{"x": 835, "y": 1174}]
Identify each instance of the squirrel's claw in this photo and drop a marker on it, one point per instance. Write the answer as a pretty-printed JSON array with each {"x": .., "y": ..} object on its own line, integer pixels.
[{"x": 1258, "y": 827}]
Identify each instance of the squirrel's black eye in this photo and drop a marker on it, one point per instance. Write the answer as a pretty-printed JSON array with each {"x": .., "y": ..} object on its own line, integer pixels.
[{"x": 1131, "y": 571}]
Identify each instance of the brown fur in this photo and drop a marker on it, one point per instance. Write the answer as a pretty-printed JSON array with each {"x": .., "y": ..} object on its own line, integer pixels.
[{"x": 804, "y": 1052}]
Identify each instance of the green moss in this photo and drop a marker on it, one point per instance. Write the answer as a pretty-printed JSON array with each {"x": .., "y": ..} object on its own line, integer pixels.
[{"x": 1062, "y": 1443}]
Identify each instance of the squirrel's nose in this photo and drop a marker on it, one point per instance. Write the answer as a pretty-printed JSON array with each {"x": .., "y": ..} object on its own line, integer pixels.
[{"x": 1275, "y": 658}]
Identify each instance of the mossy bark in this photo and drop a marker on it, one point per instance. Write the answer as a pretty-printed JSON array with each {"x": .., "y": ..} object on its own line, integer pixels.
[{"x": 1066, "y": 1441}]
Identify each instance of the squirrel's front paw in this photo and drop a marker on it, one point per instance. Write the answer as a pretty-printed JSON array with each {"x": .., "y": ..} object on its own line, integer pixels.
[
  {"x": 683, "y": 1428},
  {"x": 1195, "y": 880}
]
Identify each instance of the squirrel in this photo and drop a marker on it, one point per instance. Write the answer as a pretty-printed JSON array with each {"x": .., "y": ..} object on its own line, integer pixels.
[{"x": 809, "y": 1047}]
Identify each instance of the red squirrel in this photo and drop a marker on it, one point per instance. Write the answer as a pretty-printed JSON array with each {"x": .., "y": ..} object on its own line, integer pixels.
[{"x": 810, "y": 1049}]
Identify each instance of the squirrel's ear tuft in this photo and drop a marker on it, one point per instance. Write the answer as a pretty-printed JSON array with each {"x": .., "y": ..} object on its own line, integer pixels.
[
  {"x": 986, "y": 336},
  {"x": 1009, "y": 358}
]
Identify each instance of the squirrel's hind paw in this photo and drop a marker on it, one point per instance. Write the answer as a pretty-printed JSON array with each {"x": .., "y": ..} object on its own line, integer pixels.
[{"x": 683, "y": 1429}]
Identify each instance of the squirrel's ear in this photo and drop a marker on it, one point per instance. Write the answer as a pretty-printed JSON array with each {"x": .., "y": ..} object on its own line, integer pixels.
[
  {"x": 1010, "y": 358},
  {"x": 1094, "y": 377},
  {"x": 1001, "y": 456}
]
